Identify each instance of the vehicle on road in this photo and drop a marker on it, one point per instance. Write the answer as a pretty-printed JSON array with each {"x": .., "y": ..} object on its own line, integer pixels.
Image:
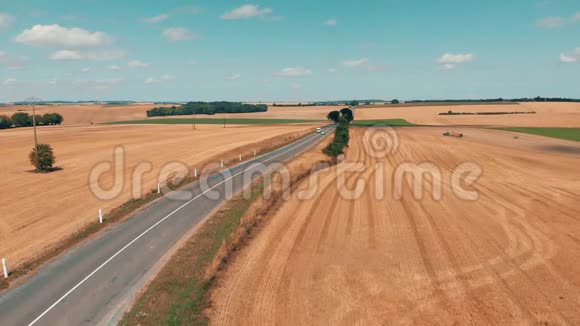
[{"x": 318, "y": 130}]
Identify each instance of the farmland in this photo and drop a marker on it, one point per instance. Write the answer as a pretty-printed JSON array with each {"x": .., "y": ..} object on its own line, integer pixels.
[
  {"x": 39, "y": 210},
  {"x": 509, "y": 255}
]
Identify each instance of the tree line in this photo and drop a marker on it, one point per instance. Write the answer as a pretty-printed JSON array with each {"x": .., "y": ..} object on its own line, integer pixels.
[
  {"x": 341, "y": 134},
  {"x": 23, "y": 119},
  {"x": 209, "y": 108}
]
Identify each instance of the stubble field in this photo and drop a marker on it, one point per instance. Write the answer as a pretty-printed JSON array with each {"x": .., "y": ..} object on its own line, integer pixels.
[
  {"x": 512, "y": 256},
  {"x": 547, "y": 114},
  {"x": 39, "y": 210}
]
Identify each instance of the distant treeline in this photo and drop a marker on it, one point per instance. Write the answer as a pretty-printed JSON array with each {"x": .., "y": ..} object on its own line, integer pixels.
[
  {"x": 23, "y": 119},
  {"x": 485, "y": 113},
  {"x": 207, "y": 108},
  {"x": 525, "y": 99}
]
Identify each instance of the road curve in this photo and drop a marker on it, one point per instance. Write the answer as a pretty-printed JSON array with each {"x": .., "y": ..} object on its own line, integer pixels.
[{"x": 94, "y": 282}]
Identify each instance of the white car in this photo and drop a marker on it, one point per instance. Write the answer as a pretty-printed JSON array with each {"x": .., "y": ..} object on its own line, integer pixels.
[
  {"x": 318, "y": 130},
  {"x": 323, "y": 133}
]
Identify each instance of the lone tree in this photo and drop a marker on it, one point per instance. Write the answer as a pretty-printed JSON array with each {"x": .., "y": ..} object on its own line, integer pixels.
[
  {"x": 395, "y": 101},
  {"x": 347, "y": 114},
  {"x": 45, "y": 157},
  {"x": 334, "y": 116},
  {"x": 5, "y": 122}
]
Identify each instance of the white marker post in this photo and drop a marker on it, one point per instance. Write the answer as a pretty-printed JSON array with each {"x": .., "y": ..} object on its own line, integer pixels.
[
  {"x": 195, "y": 172},
  {"x": 240, "y": 157},
  {"x": 254, "y": 153},
  {"x": 100, "y": 216},
  {"x": 4, "y": 268},
  {"x": 158, "y": 188},
  {"x": 222, "y": 163}
]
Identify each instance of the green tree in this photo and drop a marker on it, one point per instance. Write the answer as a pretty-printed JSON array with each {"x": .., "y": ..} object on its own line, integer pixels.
[
  {"x": 57, "y": 119},
  {"x": 347, "y": 114},
  {"x": 21, "y": 119},
  {"x": 333, "y": 116},
  {"x": 353, "y": 103},
  {"x": 5, "y": 122},
  {"x": 395, "y": 101},
  {"x": 39, "y": 120},
  {"x": 46, "y": 157}
]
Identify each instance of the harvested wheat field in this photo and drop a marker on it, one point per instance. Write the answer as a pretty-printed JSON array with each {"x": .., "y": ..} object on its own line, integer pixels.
[
  {"x": 547, "y": 114},
  {"x": 38, "y": 210},
  {"x": 511, "y": 256},
  {"x": 85, "y": 114}
]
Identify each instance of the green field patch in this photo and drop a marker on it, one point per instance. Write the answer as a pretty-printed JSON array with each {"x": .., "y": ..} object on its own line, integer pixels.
[{"x": 561, "y": 133}]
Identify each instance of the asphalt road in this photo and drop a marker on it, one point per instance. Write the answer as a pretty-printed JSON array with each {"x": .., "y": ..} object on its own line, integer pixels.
[{"x": 95, "y": 282}]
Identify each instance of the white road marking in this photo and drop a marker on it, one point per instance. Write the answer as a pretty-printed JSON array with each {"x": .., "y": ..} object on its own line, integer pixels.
[{"x": 151, "y": 228}]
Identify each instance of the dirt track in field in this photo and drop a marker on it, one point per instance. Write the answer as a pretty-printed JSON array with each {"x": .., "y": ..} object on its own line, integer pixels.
[
  {"x": 510, "y": 257},
  {"x": 39, "y": 210}
]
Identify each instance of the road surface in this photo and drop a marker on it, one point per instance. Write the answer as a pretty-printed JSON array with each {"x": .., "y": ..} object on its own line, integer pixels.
[{"x": 95, "y": 282}]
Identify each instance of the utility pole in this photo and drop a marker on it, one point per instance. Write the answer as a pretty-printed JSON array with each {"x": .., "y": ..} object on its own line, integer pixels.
[
  {"x": 33, "y": 100},
  {"x": 193, "y": 121}
]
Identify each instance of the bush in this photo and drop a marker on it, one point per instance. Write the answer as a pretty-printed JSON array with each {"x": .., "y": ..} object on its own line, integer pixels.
[
  {"x": 21, "y": 119},
  {"x": 46, "y": 157},
  {"x": 395, "y": 101},
  {"x": 5, "y": 122}
]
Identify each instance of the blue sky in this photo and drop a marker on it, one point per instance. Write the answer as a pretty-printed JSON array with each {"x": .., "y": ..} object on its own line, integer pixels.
[{"x": 297, "y": 50}]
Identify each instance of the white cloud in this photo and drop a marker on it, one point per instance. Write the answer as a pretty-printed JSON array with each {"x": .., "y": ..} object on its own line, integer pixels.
[
  {"x": 66, "y": 55},
  {"x": 137, "y": 64},
  {"x": 357, "y": 62},
  {"x": 576, "y": 18},
  {"x": 10, "y": 61},
  {"x": 52, "y": 82},
  {"x": 296, "y": 86},
  {"x": 8, "y": 82},
  {"x": 450, "y": 61},
  {"x": 177, "y": 34},
  {"x": 164, "y": 78},
  {"x": 5, "y": 20},
  {"x": 363, "y": 63},
  {"x": 155, "y": 19},
  {"x": 247, "y": 11},
  {"x": 331, "y": 70},
  {"x": 330, "y": 22},
  {"x": 114, "y": 68},
  {"x": 233, "y": 77},
  {"x": 294, "y": 72},
  {"x": 448, "y": 66},
  {"x": 570, "y": 57},
  {"x": 86, "y": 69},
  {"x": 58, "y": 36},
  {"x": 551, "y": 22},
  {"x": 449, "y": 58},
  {"x": 69, "y": 55}
]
